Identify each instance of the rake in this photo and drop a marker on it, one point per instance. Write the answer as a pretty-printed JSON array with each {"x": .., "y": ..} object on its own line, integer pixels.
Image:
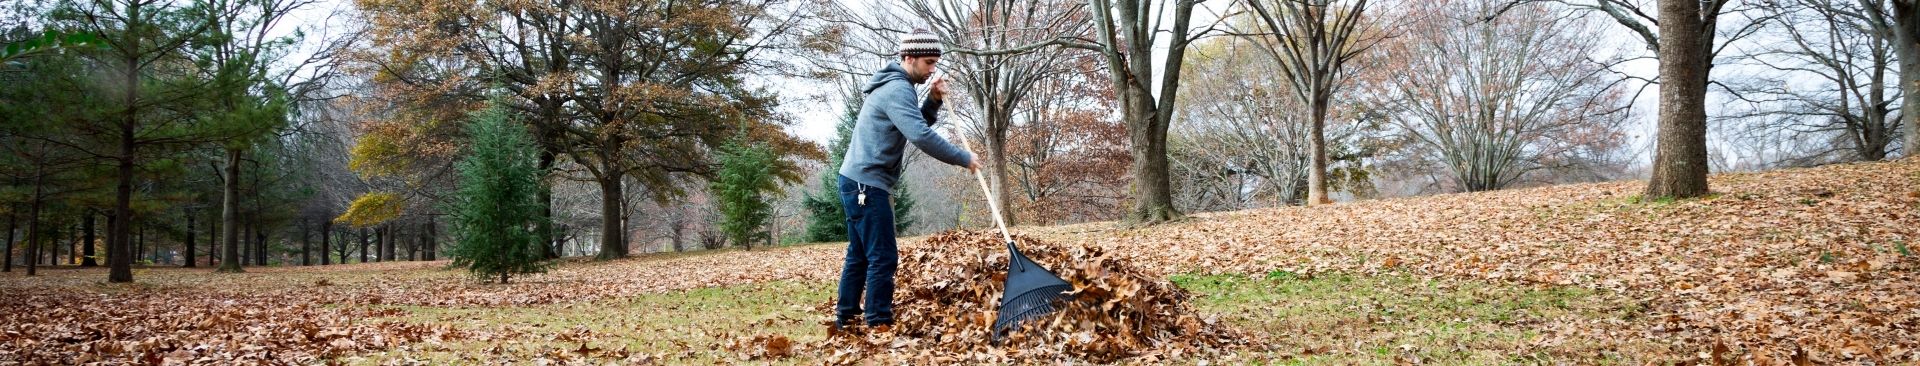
[{"x": 1031, "y": 290}]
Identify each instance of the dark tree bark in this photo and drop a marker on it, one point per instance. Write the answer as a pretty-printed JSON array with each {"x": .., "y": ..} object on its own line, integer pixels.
[
  {"x": 13, "y": 224},
  {"x": 345, "y": 250},
  {"x": 306, "y": 245},
  {"x": 246, "y": 244},
  {"x": 140, "y": 244},
  {"x": 1127, "y": 45},
  {"x": 260, "y": 247},
  {"x": 613, "y": 238},
  {"x": 363, "y": 245},
  {"x": 545, "y": 196},
  {"x": 189, "y": 245},
  {"x": 73, "y": 245},
  {"x": 433, "y": 237},
  {"x": 326, "y": 240},
  {"x": 382, "y": 236},
  {"x": 33, "y": 227},
  {"x": 1906, "y": 44},
  {"x": 229, "y": 213},
  {"x": 119, "y": 260},
  {"x": 392, "y": 238},
  {"x": 87, "y": 243},
  {"x": 1686, "y": 57},
  {"x": 213, "y": 239}
]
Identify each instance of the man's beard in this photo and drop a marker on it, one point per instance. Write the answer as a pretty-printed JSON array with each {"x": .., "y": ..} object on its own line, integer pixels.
[{"x": 922, "y": 79}]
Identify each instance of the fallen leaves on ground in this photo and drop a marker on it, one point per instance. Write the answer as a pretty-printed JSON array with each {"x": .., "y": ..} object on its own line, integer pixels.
[
  {"x": 1813, "y": 264},
  {"x": 172, "y": 327},
  {"x": 950, "y": 286},
  {"x": 1795, "y": 266}
]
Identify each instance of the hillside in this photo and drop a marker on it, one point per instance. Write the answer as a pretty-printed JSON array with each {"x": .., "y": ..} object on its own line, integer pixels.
[{"x": 1809, "y": 265}]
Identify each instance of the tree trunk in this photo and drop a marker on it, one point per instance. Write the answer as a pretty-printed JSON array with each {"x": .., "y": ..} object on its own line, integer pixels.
[
  {"x": 998, "y": 122},
  {"x": 413, "y": 247},
  {"x": 13, "y": 223},
  {"x": 1680, "y": 155},
  {"x": 326, "y": 239},
  {"x": 140, "y": 246},
  {"x": 363, "y": 245},
  {"x": 344, "y": 250},
  {"x": 545, "y": 192},
  {"x": 213, "y": 240},
  {"x": 33, "y": 225},
  {"x": 87, "y": 243},
  {"x": 1152, "y": 182},
  {"x": 433, "y": 237},
  {"x": 260, "y": 246},
  {"x": 1317, "y": 133},
  {"x": 73, "y": 246},
  {"x": 119, "y": 254},
  {"x": 306, "y": 245},
  {"x": 189, "y": 244},
  {"x": 229, "y": 216},
  {"x": 32, "y": 254},
  {"x": 381, "y": 236},
  {"x": 388, "y": 237},
  {"x": 246, "y": 245},
  {"x": 1906, "y": 44},
  {"x": 613, "y": 243}
]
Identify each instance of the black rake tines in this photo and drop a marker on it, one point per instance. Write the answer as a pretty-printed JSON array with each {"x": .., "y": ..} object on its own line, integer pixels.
[{"x": 1030, "y": 293}]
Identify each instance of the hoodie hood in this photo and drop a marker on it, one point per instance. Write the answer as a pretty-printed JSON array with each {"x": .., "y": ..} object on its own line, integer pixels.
[{"x": 888, "y": 74}]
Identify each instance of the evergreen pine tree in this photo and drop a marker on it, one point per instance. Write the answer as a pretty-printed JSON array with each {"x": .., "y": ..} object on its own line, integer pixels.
[
  {"x": 741, "y": 187},
  {"x": 495, "y": 210}
]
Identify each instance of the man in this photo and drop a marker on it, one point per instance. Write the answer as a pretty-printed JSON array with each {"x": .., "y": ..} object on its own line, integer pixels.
[{"x": 888, "y": 120}]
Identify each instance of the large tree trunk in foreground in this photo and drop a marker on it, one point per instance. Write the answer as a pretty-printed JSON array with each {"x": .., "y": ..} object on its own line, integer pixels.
[
  {"x": 1906, "y": 45},
  {"x": 229, "y": 215},
  {"x": 1317, "y": 174},
  {"x": 1680, "y": 154}
]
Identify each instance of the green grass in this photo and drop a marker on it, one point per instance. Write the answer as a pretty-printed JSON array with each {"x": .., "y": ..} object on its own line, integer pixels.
[
  {"x": 1304, "y": 320},
  {"x": 1394, "y": 318}
]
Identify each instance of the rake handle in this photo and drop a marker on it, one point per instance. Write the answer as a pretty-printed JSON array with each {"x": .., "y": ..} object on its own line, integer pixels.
[{"x": 992, "y": 203}]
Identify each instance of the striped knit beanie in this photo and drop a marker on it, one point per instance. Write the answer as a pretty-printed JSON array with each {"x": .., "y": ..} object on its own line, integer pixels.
[{"x": 920, "y": 43}]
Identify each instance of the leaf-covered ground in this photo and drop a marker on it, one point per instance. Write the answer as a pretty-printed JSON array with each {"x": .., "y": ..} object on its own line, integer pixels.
[{"x": 1798, "y": 266}]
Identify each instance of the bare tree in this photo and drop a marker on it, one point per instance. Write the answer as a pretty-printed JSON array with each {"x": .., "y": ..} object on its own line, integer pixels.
[
  {"x": 1069, "y": 159},
  {"x": 1689, "y": 37},
  {"x": 1830, "y": 82},
  {"x": 997, "y": 84},
  {"x": 1313, "y": 41},
  {"x": 1245, "y": 142},
  {"x": 1495, "y": 99}
]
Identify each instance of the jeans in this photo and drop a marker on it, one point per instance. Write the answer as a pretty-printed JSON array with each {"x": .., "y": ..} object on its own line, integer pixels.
[{"x": 871, "y": 255}]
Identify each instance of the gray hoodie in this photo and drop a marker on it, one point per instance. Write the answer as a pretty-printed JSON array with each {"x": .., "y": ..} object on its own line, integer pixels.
[{"x": 887, "y": 121}]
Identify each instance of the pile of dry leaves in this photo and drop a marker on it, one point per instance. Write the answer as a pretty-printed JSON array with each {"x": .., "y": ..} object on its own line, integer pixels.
[{"x": 949, "y": 290}]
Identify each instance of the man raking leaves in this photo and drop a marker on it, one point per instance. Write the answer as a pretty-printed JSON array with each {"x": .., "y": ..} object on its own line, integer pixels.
[{"x": 887, "y": 121}]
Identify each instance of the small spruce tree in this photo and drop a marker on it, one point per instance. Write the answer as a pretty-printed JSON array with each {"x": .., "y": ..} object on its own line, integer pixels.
[
  {"x": 742, "y": 188},
  {"x": 494, "y": 207}
]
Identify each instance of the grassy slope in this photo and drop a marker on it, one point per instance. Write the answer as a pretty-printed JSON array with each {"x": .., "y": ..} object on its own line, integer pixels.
[{"x": 1814, "y": 261}]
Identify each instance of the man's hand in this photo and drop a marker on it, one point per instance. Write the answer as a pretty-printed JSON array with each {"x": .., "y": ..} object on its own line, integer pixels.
[
  {"x": 939, "y": 88},
  {"x": 974, "y": 166}
]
